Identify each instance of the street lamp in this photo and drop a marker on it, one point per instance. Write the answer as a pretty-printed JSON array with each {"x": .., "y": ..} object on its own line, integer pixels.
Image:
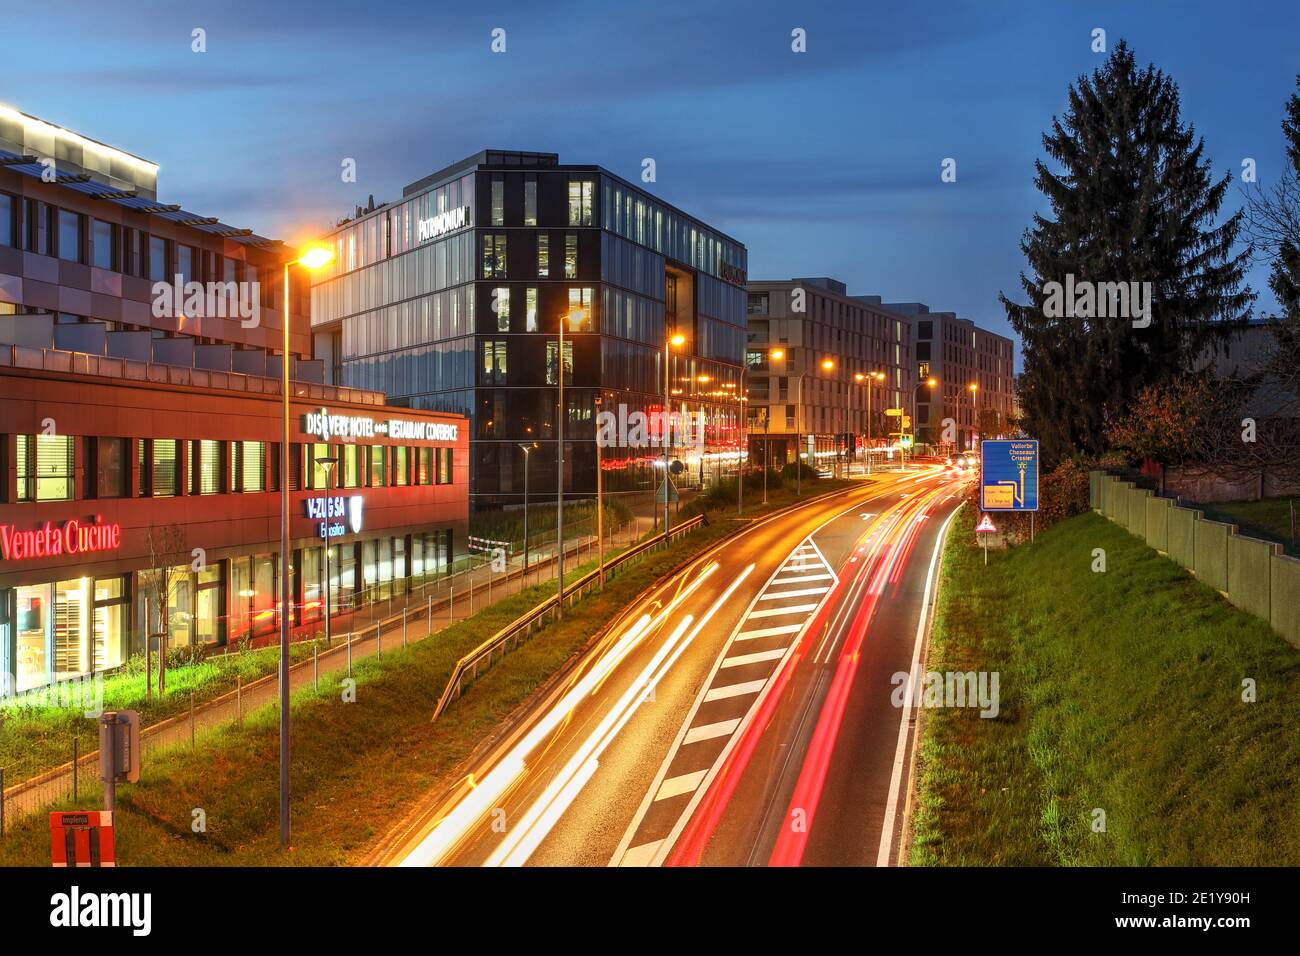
[
  {"x": 867, "y": 377},
  {"x": 327, "y": 464},
  {"x": 314, "y": 258},
  {"x": 527, "y": 449},
  {"x": 575, "y": 318},
  {"x": 930, "y": 383},
  {"x": 674, "y": 341},
  {"x": 828, "y": 365},
  {"x": 600, "y": 505},
  {"x": 974, "y": 408}
]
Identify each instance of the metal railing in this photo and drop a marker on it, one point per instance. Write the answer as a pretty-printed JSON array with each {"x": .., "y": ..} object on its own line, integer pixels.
[{"x": 510, "y": 636}]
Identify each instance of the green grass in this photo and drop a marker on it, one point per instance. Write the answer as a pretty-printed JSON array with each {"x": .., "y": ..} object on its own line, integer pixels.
[
  {"x": 1268, "y": 518},
  {"x": 356, "y": 765},
  {"x": 36, "y": 735},
  {"x": 1120, "y": 691}
]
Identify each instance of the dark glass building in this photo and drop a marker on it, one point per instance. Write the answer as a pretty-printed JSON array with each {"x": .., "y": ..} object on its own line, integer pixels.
[{"x": 450, "y": 299}]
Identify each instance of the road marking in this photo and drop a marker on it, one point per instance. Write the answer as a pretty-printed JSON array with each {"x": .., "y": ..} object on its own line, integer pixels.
[
  {"x": 769, "y": 631},
  {"x": 900, "y": 750},
  {"x": 803, "y": 577},
  {"x": 640, "y": 855},
  {"x": 676, "y": 786},
  {"x": 801, "y": 592},
  {"x": 757, "y": 657},
  {"x": 792, "y": 609},
  {"x": 734, "y": 690},
  {"x": 708, "y": 731}
]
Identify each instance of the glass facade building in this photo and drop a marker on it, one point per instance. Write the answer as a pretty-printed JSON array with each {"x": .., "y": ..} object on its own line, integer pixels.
[{"x": 451, "y": 299}]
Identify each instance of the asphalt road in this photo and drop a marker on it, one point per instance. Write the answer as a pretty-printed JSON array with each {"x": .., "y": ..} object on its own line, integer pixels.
[{"x": 751, "y": 679}]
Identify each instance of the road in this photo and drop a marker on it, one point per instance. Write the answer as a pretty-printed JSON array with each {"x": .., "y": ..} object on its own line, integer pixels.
[{"x": 739, "y": 713}]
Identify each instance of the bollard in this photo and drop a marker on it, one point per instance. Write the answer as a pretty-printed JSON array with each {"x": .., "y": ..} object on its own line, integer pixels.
[
  {"x": 315, "y": 673},
  {"x": 76, "y": 759}
]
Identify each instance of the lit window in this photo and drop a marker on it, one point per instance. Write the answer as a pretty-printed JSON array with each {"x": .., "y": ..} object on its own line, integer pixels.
[
  {"x": 494, "y": 256},
  {"x": 530, "y": 309},
  {"x": 543, "y": 256},
  {"x": 570, "y": 255},
  {"x": 501, "y": 306},
  {"x": 498, "y": 201},
  {"x": 44, "y": 468},
  {"x": 530, "y": 201},
  {"x": 580, "y": 201}
]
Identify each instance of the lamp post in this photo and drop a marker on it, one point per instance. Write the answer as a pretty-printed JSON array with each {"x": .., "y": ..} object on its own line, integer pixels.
[
  {"x": 314, "y": 258},
  {"x": 974, "y": 409},
  {"x": 576, "y": 318},
  {"x": 868, "y": 377},
  {"x": 600, "y": 502},
  {"x": 676, "y": 340},
  {"x": 327, "y": 465},
  {"x": 742, "y": 444},
  {"x": 527, "y": 450},
  {"x": 930, "y": 383},
  {"x": 828, "y": 365}
]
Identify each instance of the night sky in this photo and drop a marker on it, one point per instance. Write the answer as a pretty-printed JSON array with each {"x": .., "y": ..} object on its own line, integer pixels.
[{"x": 823, "y": 163}]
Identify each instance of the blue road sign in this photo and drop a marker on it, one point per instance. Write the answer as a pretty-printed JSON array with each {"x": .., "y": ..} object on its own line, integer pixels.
[{"x": 1009, "y": 475}]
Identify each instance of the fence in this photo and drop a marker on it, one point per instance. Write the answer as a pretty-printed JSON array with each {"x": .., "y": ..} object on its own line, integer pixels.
[
  {"x": 28, "y": 788},
  {"x": 514, "y": 633},
  {"x": 1254, "y": 575}
]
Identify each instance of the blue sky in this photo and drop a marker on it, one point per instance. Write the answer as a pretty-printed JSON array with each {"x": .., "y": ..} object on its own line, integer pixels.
[{"x": 824, "y": 163}]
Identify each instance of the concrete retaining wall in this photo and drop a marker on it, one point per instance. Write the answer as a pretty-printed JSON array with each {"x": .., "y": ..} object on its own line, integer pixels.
[{"x": 1254, "y": 575}]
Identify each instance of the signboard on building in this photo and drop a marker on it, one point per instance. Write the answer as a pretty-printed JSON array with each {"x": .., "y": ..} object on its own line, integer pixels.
[
  {"x": 72, "y": 537},
  {"x": 327, "y": 509},
  {"x": 328, "y": 426},
  {"x": 1009, "y": 475},
  {"x": 444, "y": 223}
]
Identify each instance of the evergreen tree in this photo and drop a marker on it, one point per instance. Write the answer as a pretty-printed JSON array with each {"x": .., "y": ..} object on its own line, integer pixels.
[
  {"x": 1132, "y": 200},
  {"x": 1285, "y": 278}
]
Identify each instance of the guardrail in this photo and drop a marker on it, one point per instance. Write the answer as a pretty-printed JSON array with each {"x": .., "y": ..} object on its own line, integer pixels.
[{"x": 510, "y": 636}]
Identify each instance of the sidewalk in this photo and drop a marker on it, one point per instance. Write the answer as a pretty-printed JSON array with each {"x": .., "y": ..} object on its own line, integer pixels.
[{"x": 419, "y": 615}]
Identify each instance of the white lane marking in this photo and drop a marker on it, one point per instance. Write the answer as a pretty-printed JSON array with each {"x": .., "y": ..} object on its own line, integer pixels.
[
  {"x": 740, "y": 660},
  {"x": 709, "y": 731},
  {"x": 803, "y": 577},
  {"x": 640, "y": 855},
  {"x": 735, "y": 690},
  {"x": 676, "y": 786},
  {"x": 769, "y": 631},
  {"x": 792, "y": 609},
  {"x": 801, "y": 592},
  {"x": 900, "y": 750}
]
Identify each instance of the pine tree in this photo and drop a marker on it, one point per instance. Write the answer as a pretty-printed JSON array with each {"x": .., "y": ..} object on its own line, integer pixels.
[
  {"x": 1132, "y": 200},
  {"x": 1285, "y": 277}
]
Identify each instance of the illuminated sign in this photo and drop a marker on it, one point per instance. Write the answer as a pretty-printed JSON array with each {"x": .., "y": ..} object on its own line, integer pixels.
[
  {"x": 326, "y": 510},
  {"x": 326, "y": 426},
  {"x": 73, "y": 537},
  {"x": 733, "y": 274},
  {"x": 441, "y": 224}
]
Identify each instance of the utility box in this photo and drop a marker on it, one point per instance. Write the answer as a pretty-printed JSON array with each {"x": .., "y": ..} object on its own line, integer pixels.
[
  {"x": 119, "y": 746},
  {"x": 82, "y": 838}
]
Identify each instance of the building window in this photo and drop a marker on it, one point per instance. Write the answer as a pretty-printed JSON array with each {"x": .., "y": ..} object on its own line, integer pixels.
[
  {"x": 543, "y": 255},
  {"x": 40, "y": 227},
  {"x": 552, "y": 350},
  {"x": 44, "y": 468},
  {"x": 69, "y": 236},
  {"x": 498, "y": 201},
  {"x": 580, "y": 298},
  {"x": 158, "y": 259},
  {"x": 8, "y": 220},
  {"x": 424, "y": 466},
  {"x": 378, "y": 466},
  {"x": 444, "y": 466},
  {"x": 494, "y": 362},
  {"x": 351, "y": 467},
  {"x": 570, "y": 255},
  {"x": 758, "y": 303},
  {"x": 208, "y": 478},
  {"x": 530, "y": 309},
  {"x": 401, "y": 465},
  {"x": 104, "y": 245},
  {"x": 185, "y": 263},
  {"x": 112, "y": 467},
  {"x": 580, "y": 201},
  {"x": 530, "y": 200},
  {"x": 494, "y": 255},
  {"x": 164, "y": 472},
  {"x": 248, "y": 466},
  {"x": 925, "y": 330},
  {"x": 501, "y": 306}
]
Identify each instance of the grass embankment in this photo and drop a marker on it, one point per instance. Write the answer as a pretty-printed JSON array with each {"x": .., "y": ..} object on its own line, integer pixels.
[
  {"x": 355, "y": 765},
  {"x": 1268, "y": 518},
  {"x": 1120, "y": 691},
  {"x": 37, "y": 731}
]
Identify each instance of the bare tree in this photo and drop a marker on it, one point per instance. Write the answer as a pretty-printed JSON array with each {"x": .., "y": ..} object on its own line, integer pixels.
[{"x": 168, "y": 566}]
